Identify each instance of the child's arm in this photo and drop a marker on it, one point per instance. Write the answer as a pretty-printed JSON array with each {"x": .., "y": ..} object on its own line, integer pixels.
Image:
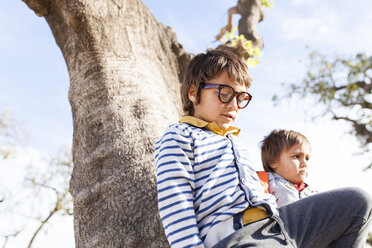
[{"x": 175, "y": 184}]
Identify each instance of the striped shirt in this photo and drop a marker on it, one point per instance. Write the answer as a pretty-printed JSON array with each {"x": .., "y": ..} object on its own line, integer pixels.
[{"x": 202, "y": 180}]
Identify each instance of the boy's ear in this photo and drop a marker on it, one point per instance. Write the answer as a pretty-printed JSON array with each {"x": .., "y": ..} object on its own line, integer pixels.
[
  {"x": 273, "y": 165},
  {"x": 193, "y": 94}
]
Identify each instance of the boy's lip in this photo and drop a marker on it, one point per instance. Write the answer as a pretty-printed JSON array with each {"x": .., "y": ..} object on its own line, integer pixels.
[{"x": 230, "y": 116}]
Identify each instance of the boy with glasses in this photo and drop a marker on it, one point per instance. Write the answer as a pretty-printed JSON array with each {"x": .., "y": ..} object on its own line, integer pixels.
[{"x": 209, "y": 194}]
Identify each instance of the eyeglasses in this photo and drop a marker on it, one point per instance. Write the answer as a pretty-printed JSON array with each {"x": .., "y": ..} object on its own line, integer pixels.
[{"x": 226, "y": 93}]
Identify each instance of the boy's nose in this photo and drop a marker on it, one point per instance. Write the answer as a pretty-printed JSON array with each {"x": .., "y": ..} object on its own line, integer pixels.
[
  {"x": 233, "y": 104},
  {"x": 303, "y": 163}
]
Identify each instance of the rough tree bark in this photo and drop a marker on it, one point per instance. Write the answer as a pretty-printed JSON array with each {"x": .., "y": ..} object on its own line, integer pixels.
[
  {"x": 251, "y": 14},
  {"x": 125, "y": 69}
]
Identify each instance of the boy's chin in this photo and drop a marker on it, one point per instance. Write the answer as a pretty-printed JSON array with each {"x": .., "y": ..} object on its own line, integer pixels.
[
  {"x": 224, "y": 126},
  {"x": 298, "y": 182}
]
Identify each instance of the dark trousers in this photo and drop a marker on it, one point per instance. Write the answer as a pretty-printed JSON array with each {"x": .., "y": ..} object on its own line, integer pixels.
[{"x": 337, "y": 218}]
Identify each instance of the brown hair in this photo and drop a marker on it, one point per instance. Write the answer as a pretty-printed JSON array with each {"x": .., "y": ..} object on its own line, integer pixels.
[
  {"x": 206, "y": 66},
  {"x": 277, "y": 142}
]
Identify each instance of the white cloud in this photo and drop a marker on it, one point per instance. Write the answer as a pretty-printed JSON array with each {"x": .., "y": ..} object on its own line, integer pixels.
[
  {"x": 326, "y": 27},
  {"x": 303, "y": 2},
  {"x": 14, "y": 168},
  {"x": 360, "y": 40},
  {"x": 319, "y": 28}
]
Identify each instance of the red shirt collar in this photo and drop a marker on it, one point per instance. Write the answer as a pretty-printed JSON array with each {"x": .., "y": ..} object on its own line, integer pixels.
[{"x": 300, "y": 186}]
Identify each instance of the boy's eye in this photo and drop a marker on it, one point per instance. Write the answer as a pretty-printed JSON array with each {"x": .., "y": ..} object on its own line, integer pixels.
[
  {"x": 296, "y": 156},
  {"x": 224, "y": 96}
]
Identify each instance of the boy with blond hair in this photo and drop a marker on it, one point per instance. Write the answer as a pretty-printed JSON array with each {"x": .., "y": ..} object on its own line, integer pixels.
[
  {"x": 209, "y": 195},
  {"x": 285, "y": 155}
]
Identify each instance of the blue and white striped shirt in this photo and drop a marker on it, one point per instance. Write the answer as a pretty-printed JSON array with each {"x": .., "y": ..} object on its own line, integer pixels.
[{"x": 203, "y": 179}]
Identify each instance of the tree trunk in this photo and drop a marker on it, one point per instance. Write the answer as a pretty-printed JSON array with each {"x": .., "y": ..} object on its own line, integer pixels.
[{"x": 125, "y": 69}]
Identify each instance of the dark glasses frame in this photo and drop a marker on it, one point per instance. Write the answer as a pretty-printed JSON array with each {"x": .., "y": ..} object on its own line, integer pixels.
[{"x": 235, "y": 93}]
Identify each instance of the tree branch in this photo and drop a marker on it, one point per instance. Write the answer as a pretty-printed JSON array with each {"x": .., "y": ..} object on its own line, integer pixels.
[
  {"x": 251, "y": 14},
  {"x": 57, "y": 207},
  {"x": 38, "y": 6},
  {"x": 6, "y": 237},
  {"x": 55, "y": 210},
  {"x": 42, "y": 185},
  {"x": 360, "y": 129},
  {"x": 365, "y": 86},
  {"x": 349, "y": 103}
]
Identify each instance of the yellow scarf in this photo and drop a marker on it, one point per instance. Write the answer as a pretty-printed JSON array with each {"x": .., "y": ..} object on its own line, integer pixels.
[{"x": 210, "y": 126}]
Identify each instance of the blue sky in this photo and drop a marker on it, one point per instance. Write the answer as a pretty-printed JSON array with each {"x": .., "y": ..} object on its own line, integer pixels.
[{"x": 34, "y": 80}]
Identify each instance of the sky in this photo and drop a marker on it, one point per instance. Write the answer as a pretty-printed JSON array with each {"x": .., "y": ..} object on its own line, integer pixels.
[{"x": 34, "y": 83}]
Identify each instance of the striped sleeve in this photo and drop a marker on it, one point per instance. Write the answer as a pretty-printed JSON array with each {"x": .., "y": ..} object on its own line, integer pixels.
[{"x": 176, "y": 184}]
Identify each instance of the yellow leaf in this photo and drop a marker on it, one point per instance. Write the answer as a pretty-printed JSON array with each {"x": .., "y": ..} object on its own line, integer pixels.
[
  {"x": 252, "y": 62},
  {"x": 227, "y": 36},
  {"x": 248, "y": 44},
  {"x": 257, "y": 52}
]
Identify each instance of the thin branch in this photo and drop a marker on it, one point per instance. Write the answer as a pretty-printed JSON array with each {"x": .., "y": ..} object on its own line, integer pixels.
[
  {"x": 55, "y": 210},
  {"x": 42, "y": 185},
  {"x": 365, "y": 86},
  {"x": 359, "y": 128},
  {"x": 349, "y": 103},
  {"x": 361, "y": 84},
  {"x": 6, "y": 237}
]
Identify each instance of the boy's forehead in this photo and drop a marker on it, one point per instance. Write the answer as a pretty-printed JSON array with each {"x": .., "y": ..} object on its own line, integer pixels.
[
  {"x": 231, "y": 77},
  {"x": 300, "y": 147},
  {"x": 241, "y": 87},
  {"x": 224, "y": 78}
]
